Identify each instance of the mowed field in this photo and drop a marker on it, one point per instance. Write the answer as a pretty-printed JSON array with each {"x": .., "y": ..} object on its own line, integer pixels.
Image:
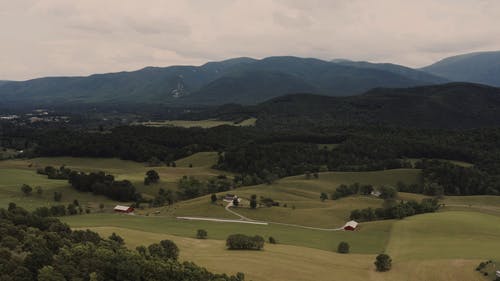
[
  {"x": 14, "y": 173},
  {"x": 198, "y": 123}
]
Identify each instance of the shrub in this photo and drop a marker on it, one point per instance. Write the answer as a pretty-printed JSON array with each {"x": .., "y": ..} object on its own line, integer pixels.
[
  {"x": 272, "y": 240},
  {"x": 201, "y": 234},
  {"x": 343, "y": 248},
  {"x": 244, "y": 242}
]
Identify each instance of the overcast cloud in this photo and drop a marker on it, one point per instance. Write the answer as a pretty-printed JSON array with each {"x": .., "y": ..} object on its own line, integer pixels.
[{"x": 64, "y": 37}]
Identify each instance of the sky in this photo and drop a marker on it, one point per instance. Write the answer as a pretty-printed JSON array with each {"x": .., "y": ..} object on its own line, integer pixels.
[{"x": 70, "y": 37}]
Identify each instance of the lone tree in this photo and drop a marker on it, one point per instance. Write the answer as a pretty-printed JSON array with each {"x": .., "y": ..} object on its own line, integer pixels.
[
  {"x": 272, "y": 240},
  {"x": 236, "y": 202},
  {"x": 253, "y": 201},
  {"x": 323, "y": 196},
  {"x": 213, "y": 198},
  {"x": 26, "y": 189},
  {"x": 151, "y": 177},
  {"x": 201, "y": 234},
  {"x": 383, "y": 262},
  {"x": 343, "y": 248}
]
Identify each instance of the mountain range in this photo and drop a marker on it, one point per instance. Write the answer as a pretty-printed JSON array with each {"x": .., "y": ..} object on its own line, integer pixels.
[{"x": 245, "y": 81}]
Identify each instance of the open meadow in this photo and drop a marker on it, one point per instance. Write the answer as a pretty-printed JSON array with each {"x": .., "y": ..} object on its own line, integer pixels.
[{"x": 15, "y": 172}]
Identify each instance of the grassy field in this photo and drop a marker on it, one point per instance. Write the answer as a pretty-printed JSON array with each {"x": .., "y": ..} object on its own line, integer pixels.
[
  {"x": 301, "y": 197},
  {"x": 435, "y": 247},
  {"x": 372, "y": 239},
  {"x": 441, "y": 246},
  {"x": 275, "y": 262},
  {"x": 10, "y": 191},
  {"x": 198, "y": 123},
  {"x": 446, "y": 235}
]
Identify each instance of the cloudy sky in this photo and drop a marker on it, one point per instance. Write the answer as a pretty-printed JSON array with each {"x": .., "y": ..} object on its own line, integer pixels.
[{"x": 70, "y": 37}]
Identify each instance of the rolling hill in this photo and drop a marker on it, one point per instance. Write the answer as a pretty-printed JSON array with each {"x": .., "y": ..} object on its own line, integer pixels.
[
  {"x": 482, "y": 67},
  {"x": 453, "y": 105},
  {"x": 239, "y": 80}
]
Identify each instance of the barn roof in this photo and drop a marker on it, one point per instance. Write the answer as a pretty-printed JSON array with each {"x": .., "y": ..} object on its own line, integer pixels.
[
  {"x": 121, "y": 208},
  {"x": 352, "y": 224}
]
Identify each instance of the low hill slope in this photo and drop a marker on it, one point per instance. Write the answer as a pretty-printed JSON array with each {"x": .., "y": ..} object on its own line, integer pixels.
[{"x": 454, "y": 105}]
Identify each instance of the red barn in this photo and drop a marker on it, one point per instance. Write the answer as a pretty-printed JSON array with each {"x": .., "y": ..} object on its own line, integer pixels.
[
  {"x": 123, "y": 209},
  {"x": 351, "y": 225}
]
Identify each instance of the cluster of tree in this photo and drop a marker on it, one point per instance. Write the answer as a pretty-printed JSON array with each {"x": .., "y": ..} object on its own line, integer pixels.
[
  {"x": 59, "y": 210},
  {"x": 44, "y": 249},
  {"x": 163, "y": 197},
  {"x": 57, "y": 174},
  {"x": 442, "y": 177},
  {"x": 344, "y": 190},
  {"x": 101, "y": 183},
  {"x": 190, "y": 187},
  {"x": 244, "y": 242},
  {"x": 396, "y": 210}
]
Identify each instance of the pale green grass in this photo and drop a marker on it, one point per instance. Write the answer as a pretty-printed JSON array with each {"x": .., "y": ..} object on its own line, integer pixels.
[
  {"x": 446, "y": 235},
  {"x": 304, "y": 195},
  {"x": 121, "y": 169},
  {"x": 10, "y": 191},
  {"x": 198, "y": 123},
  {"x": 201, "y": 159},
  {"x": 370, "y": 239}
]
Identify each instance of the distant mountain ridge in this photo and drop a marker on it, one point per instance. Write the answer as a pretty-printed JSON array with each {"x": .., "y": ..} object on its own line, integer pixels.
[
  {"x": 245, "y": 81},
  {"x": 480, "y": 67},
  {"x": 239, "y": 80},
  {"x": 451, "y": 106}
]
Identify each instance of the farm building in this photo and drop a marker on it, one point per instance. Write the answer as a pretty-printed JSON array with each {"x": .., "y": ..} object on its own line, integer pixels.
[
  {"x": 351, "y": 225},
  {"x": 376, "y": 193},
  {"x": 230, "y": 197},
  {"x": 123, "y": 209}
]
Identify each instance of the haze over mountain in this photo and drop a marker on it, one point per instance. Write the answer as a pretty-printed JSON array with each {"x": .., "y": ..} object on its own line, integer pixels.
[
  {"x": 240, "y": 80},
  {"x": 482, "y": 67}
]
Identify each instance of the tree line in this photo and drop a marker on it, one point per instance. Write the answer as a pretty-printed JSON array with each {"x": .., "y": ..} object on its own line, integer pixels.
[
  {"x": 101, "y": 183},
  {"x": 396, "y": 210}
]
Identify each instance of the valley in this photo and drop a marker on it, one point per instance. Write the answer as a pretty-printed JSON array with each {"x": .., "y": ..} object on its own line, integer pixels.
[{"x": 421, "y": 241}]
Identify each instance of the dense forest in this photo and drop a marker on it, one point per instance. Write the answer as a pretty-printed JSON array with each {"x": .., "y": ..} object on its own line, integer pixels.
[
  {"x": 44, "y": 249},
  {"x": 261, "y": 155}
]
